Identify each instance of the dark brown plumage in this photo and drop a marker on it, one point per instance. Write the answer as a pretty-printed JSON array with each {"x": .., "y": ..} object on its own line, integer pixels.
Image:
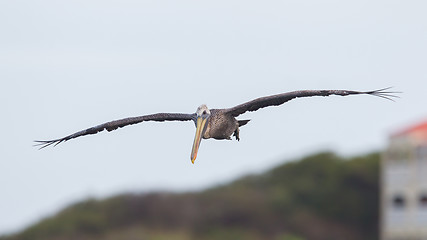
[
  {"x": 216, "y": 123},
  {"x": 113, "y": 125}
]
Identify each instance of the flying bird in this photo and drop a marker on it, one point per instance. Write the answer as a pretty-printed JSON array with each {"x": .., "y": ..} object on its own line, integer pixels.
[{"x": 216, "y": 123}]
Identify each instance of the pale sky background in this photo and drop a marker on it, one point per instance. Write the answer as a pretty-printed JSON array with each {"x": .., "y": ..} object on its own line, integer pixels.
[{"x": 69, "y": 65}]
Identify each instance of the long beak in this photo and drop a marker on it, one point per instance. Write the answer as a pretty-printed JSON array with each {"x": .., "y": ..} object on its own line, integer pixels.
[{"x": 200, "y": 130}]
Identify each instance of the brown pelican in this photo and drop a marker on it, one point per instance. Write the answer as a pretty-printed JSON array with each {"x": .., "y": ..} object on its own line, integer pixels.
[{"x": 215, "y": 123}]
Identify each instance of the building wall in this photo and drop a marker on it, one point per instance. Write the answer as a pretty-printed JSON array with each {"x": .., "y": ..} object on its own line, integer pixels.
[{"x": 404, "y": 189}]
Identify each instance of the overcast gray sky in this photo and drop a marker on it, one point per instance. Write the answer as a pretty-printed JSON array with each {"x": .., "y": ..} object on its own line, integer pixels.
[{"x": 69, "y": 65}]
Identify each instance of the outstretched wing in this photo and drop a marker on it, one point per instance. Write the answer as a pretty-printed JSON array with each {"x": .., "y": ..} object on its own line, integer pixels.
[
  {"x": 113, "y": 125},
  {"x": 279, "y": 99}
]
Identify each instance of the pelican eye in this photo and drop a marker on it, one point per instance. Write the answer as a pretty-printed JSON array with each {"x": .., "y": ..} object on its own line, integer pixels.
[{"x": 204, "y": 112}]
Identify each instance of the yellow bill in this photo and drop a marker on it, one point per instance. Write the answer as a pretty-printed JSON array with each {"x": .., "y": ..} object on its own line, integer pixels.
[{"x": 200, "y": 130}]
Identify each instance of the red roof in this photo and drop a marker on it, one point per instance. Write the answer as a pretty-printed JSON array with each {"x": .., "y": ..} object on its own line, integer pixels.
[{"x": 418, "y": 131}]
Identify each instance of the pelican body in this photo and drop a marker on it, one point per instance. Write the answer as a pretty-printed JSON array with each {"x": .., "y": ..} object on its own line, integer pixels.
[{"x": 215, "y": 123}]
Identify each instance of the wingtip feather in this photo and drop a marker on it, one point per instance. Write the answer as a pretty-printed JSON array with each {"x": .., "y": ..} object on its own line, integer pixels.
[
  {"x": 43, "y": 143},
  {"x": 383, "y": 93}
]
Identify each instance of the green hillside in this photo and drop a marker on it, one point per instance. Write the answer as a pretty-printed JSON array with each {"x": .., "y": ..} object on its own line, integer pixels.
[{"x": 322, "y": 196}]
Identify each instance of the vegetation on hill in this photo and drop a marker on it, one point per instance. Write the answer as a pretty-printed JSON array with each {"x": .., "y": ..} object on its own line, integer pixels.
[{"x": 322, "y": 197}]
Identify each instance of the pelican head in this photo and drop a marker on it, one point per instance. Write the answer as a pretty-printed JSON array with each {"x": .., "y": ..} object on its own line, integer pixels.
[
  {"x": 202, "y": 114},
  {"x": 203, "y": 110}
]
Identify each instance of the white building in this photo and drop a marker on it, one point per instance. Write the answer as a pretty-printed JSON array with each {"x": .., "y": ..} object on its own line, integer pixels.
[{"x": 404, "y": 186}]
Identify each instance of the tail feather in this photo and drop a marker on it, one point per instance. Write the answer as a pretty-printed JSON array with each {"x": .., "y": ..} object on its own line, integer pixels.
[{"x": 242, "y": 122}]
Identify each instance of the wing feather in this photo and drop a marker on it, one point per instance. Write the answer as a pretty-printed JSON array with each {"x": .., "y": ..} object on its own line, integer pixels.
[
  {"x": 113, "y": 125},
  {"x": 279, "y": 99}
]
